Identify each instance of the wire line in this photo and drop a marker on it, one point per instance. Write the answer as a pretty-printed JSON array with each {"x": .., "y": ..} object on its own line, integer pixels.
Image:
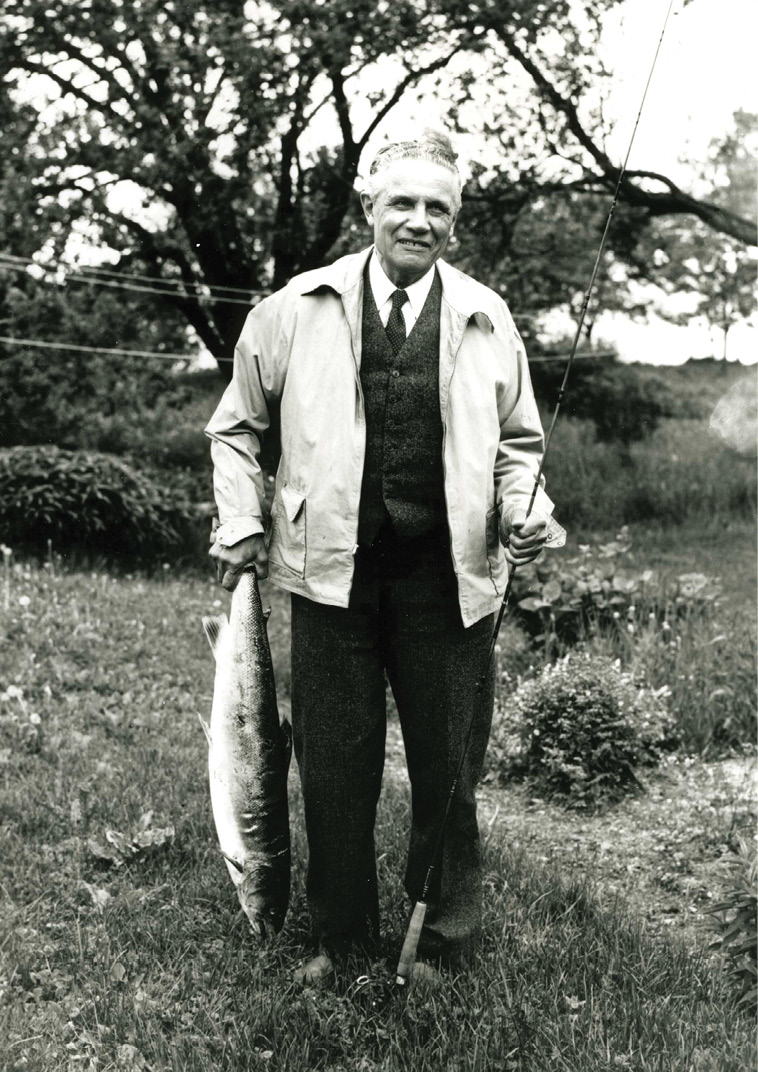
[
  {"x": 74, "y": 278},
  {"x": 14, "y": 341},
  {"x": 81, "y": 275},
  {"x": 129, "y": 275}
]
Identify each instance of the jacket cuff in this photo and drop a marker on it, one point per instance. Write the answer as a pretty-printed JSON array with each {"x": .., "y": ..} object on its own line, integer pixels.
[
  {"x": 238, "y": 528},
  {"x": 543, "y": 506}
]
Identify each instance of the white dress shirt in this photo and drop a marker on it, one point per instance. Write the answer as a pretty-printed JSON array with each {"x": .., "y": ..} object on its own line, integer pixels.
[{"x": 383, "y": 288}]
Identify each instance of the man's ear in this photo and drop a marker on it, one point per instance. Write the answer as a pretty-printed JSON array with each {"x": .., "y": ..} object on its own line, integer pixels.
[{"x": 368, "y": 207}]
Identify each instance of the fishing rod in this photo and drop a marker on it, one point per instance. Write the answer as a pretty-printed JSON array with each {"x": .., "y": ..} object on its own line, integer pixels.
[{"x": 410, "y": 945}]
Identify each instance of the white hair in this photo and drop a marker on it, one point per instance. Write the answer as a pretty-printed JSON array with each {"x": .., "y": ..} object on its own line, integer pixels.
[{"x": 432, "y": 146}]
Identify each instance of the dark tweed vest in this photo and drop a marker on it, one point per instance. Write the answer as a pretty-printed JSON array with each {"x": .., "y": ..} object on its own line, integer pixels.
[{"x": 402, "y": 475}]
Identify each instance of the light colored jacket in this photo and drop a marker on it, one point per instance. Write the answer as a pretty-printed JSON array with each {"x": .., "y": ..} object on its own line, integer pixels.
[{"x": 301, "y": 347}]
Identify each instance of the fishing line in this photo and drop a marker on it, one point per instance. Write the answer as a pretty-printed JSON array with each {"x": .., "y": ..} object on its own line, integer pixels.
[{"x": 410, "y": 945}]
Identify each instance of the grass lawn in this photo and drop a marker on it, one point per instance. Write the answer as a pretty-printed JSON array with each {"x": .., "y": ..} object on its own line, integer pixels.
[{"x": 142, "y": 963}]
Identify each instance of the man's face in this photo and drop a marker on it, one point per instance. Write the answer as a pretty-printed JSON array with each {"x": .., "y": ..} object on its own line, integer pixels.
[{"x": 413, "y": 217}]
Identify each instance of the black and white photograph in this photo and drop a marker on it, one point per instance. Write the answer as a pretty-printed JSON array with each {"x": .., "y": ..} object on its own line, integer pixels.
[{"x": 378, "y": 550}]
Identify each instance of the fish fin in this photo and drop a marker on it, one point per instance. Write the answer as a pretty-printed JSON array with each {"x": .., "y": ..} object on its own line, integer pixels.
[
  {"x": 206, "y": 728},
  {"x": 215, "y": 625},
  {"x": 232, "y": 861},
  {"x": 286, "y": 731},
  {"x": 266, "y": 614}
]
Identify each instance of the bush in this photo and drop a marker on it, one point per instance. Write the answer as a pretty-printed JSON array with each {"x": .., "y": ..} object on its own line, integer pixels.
[
  {"x": 736, "y": 919},
  {"x": 89, "y": 501},
  {"x": 579, "y": 730}
]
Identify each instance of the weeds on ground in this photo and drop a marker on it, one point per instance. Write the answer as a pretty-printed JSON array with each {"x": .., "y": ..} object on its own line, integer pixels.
[
  {"x": 676, "y": 633},
  {"x": 736, "y": 920},
  {"x": 561, "y": 599}
]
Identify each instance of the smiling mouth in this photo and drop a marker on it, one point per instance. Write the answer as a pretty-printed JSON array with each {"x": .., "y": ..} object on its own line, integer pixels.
[{"x": 409, "y": 243}]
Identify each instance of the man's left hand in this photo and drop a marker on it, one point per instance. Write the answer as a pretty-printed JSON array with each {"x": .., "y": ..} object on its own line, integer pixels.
[{"x": 523, "y": 537}]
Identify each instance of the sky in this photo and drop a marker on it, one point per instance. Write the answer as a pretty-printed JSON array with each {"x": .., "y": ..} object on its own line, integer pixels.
[{"x": 705, "y": 71}]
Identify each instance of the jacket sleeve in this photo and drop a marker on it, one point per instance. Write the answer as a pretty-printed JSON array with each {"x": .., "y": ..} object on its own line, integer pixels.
[
  {"x": 522, "y": 442},
  {"x": 242, "y": 417}
]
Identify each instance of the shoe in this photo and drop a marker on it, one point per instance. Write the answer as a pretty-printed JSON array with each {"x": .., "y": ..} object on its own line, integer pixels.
[{"x": 315, "y": 972}]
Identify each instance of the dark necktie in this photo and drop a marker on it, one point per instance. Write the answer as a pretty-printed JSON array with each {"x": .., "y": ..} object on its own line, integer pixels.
[{"x": 396, "y": 324}]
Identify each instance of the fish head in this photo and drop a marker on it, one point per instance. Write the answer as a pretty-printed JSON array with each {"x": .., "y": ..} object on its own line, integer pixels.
[{"x": 262, "y": 902}]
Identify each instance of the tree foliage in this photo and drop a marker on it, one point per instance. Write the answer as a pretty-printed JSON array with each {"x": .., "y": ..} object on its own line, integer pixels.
[
  {"x": 64, "y": 396},
  {"x": 716, "y": 269},
  {"x": 189, "y": 137}
]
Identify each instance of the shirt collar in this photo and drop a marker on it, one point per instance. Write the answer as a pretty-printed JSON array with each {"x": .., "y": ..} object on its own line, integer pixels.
[
  {"x": 383, "y": 288},
  {"x": 463, "y": 294}
]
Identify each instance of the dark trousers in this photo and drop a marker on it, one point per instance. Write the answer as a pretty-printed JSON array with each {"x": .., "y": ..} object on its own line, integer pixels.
[{"x": 404, "y": 620}]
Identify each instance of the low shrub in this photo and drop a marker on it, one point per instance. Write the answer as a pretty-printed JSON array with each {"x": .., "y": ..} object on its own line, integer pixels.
[
  {"x": 89, "y": 501},
  {"x": 579, "y": 731},
  {"x": 736, "y": 920}
]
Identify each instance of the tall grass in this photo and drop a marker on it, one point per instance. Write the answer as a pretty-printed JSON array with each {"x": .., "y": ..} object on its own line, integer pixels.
[
  {"x": 710, "y": 675},
  {"x": 680, "y": 473}
]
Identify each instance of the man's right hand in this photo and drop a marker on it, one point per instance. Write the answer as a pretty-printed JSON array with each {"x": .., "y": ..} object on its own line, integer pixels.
[{"x": 231, "y": 561}]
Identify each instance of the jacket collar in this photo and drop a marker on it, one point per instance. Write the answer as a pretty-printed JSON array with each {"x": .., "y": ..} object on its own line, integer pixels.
[{"x": 467, "y": 297}]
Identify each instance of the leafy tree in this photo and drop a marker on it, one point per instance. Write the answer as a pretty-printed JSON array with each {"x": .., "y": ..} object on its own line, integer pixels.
[
  {"x": 204, "y": 114},
  {"x": 717, "y": 270},
  {"x": 59, "y": 396}
]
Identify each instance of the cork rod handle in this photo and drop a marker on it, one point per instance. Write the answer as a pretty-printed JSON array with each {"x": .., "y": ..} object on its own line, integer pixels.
[{"x": 410, "y": 945}]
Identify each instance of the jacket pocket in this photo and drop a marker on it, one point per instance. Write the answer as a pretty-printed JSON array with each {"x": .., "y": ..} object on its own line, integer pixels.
[
  {"x": 496, "y": 562},
  {"x": 288, "y": 536}
]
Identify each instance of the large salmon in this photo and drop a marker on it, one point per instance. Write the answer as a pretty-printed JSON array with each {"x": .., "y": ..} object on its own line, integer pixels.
[{"x": 248, "y": 760}]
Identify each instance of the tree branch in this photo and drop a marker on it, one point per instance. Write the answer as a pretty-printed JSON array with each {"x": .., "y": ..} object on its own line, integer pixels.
[
  {"x": 68, "y": 87},
  {"x": 197, "y": 315},
  {"x": 675, "y": 201},
  {"x": 400, "y": 88}
]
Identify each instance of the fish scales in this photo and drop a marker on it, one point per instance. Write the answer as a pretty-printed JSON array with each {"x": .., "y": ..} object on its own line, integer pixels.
[{"x": 248, "y": 759}]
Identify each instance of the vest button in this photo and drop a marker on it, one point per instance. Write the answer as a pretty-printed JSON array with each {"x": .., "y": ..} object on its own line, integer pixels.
[{"x": 395, "y": 372}]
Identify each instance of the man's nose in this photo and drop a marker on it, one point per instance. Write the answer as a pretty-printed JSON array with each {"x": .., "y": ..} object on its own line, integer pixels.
[{"x": 417, "y": 219}]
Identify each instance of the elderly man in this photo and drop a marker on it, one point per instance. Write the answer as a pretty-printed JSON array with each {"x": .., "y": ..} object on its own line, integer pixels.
[{"x": 410, "y": 445}]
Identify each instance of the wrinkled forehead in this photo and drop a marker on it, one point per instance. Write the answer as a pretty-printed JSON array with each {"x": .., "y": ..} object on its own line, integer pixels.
[{"x": 418, "y": 180}]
